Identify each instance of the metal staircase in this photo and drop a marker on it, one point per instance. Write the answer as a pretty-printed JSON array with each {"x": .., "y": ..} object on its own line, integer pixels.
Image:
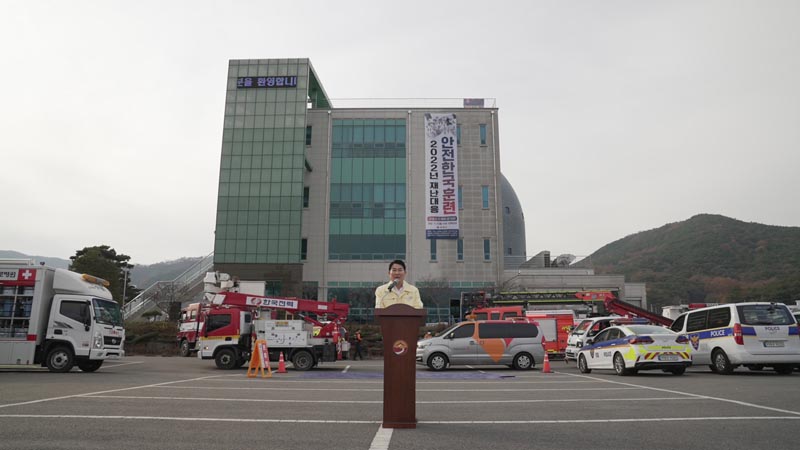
[{"x": 161, "y": 294}]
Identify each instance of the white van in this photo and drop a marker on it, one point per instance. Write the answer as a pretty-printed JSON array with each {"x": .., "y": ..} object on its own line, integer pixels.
[
  {"x": 517, "y": 344},
  {"x": 755, "y": 335},
  {"x": 586, "y": 328}
]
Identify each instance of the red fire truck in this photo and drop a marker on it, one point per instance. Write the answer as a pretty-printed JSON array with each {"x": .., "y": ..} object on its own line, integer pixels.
[{"x": 221, "y": 328}]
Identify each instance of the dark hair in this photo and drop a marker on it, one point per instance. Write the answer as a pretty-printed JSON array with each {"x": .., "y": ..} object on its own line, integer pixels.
[{"x": 399, "y": 262}]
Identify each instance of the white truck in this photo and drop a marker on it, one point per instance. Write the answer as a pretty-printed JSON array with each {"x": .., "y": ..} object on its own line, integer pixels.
[{"x": 57, "y": 318}]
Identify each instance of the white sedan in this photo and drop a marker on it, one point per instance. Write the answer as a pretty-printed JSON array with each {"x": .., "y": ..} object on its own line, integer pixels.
[{"x": 629, "y": 348}]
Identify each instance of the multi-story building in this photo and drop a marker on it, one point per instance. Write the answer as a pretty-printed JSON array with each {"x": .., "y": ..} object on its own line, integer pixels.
[{"x": 317, "y": 198}]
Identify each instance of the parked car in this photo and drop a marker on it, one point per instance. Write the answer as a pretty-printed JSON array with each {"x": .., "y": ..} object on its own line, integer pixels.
[
  {"x": 754, "y": 335},
  {"x": 517, "y": 344},
  {"x": 627, "y": 349}
]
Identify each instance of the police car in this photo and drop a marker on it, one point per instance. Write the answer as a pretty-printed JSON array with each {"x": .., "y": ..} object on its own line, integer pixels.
[{"x": 629, "y": 347}]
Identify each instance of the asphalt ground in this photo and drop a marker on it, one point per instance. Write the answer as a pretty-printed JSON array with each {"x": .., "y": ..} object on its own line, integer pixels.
[{"x": 183, "y": 403}]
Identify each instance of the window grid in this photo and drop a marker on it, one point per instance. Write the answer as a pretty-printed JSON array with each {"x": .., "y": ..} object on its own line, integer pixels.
[
  {"x": 261, "y": 175},
  {"x": 460, "y": 250},
  {"x": 483, "y": 133},
  {"x": 485, "y": 197},
  {"x": 433, "y": 249},
  {"x": 368, "y": 189},
  {"x": 487, "y": 255}
]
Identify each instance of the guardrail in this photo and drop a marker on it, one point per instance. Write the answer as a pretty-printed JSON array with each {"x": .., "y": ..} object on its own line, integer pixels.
[{"x": 188, "y": 278}]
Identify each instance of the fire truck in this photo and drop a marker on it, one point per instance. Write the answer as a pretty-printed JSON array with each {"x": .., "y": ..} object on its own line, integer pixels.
[
  {"x": 555, "y": 324},
  {"x": 307, "y": 332},
  {"x": 57, "y": 318}
]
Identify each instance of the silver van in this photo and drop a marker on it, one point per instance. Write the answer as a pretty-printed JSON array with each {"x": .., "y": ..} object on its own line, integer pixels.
[
  {"x": 517, "y": 344},
  {"x": 754, "y": 335}
]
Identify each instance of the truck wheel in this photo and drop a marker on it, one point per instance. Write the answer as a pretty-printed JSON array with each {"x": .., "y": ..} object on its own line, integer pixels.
[
  {"x": 437, "y": 361},
  {"x": 184, "y": 349},
  {"x": 303, "y": 360},
  {"x": 523, "y": 361},
  {"x": 90, "y": 365},
  {"x": 582, "y": 365},
  {"x": 721, "y": 362},
  {"x": 226, "y": 359},
  {"x": 60, "y": 359}
]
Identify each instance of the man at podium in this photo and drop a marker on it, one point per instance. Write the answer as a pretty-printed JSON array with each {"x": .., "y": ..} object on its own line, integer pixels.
[{"x": 397, "y": 290}]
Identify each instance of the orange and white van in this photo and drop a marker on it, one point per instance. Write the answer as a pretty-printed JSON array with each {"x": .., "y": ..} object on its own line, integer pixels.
[{"x": 517, "y": 344}]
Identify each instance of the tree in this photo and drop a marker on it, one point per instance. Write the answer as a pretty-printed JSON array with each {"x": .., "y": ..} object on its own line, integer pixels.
[{"x": 104, "y": 262}]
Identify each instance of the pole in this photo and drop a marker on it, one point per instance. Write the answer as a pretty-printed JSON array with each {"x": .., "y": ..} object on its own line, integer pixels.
[{"x": 124, "y": 284}]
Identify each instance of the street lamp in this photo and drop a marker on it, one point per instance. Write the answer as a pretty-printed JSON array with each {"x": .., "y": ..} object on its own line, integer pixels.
[{"x": 125, "y": 270}]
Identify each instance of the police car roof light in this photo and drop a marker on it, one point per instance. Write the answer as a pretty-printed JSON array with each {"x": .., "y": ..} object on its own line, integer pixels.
[{"x": 630, "y": 321}]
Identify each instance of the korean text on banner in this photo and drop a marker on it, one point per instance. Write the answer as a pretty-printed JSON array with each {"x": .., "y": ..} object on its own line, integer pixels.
[{"x": 441, "y": 202}]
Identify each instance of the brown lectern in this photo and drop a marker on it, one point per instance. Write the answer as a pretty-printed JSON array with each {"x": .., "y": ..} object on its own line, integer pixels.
[{"x": 400, "y": 326}]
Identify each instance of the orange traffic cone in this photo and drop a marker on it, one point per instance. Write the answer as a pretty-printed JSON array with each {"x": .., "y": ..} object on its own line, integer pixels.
[
  {"x": 546, "y": 367},
  {"x": 282, "y": 364}
]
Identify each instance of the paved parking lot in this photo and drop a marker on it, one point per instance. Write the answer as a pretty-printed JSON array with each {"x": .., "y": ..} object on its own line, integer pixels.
[{"x": 183, "y": 403}]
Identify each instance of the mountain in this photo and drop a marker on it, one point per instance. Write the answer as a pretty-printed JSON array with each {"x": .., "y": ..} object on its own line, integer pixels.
[
  {"x": 142, "y": 275},
  {"x": 145, "y": 275},
  {"x": 49, "y": 261},
  {"x": 708, "y": 258}
]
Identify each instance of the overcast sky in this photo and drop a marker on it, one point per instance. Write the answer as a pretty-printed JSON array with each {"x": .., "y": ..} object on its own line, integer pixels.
[{"x": 615, "y": 116}]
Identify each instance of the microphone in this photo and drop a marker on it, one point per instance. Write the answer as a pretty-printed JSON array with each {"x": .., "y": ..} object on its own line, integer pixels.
[{"x": 393, "y": 284}]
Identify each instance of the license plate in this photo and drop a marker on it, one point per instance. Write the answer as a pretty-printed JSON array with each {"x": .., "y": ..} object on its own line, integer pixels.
[
  {"x": 668, "y": 357},
  {"x": 773, "y": 343}
]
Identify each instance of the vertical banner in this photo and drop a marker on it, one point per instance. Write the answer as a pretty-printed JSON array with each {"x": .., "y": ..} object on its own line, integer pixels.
[{"x": 441, "y": 202}]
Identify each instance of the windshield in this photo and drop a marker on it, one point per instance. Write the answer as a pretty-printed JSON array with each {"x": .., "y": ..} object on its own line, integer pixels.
[
  {"x": 448, "y": 329},
  {"x": 107, "y": 312},
  {"x": 581, "y": 328}
]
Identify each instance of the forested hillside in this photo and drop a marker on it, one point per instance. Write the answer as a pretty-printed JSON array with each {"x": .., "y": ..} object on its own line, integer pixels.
[{"x": 708, "y": 258}]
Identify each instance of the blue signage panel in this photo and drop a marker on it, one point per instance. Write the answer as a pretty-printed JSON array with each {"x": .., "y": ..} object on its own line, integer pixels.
[{"x": 266, "y": 82}]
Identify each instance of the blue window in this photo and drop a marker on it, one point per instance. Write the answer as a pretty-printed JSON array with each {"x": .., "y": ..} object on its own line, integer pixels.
[
  {"x": 460, "y": 251},
  {"x": 487, "y": 255},
  {"x": 485, "y": 197},
  {"x": 304, "y": 249},
  {"x": 460, "y": 199},
  {"x": 308, "y": 135},
  {"x": 483, "y": 134},
  {"x": 305, "y": 196},
  {"x": 458, "y": 134},
  {"x": 433, "y": 249}
]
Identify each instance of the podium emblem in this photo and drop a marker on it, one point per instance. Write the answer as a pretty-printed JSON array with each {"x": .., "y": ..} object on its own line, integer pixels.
[{"x": 400, "y": 348}]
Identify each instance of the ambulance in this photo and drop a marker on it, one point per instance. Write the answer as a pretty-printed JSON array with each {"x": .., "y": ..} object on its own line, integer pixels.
[{"x": 57, "y": 318}]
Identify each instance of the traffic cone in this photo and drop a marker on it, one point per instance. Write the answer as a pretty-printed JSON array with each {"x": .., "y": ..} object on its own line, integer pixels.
[
  {"x": 282, "y": 364},
  {"x": 546, "y": 367}
]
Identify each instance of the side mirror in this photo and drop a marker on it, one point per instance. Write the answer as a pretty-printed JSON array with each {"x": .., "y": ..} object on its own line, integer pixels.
[
  {"x": 451, "y": 336},
  {"x": 589, "y": 341}
]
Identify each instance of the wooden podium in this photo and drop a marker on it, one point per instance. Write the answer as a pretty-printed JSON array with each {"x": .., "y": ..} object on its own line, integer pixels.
[{"x": 400, "y": 328}]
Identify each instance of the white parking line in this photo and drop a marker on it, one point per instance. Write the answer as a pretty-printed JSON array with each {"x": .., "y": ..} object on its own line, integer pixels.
[
  {"x": 581, "y": 421},
  {"x": 198, "y": 388},
  {"x": 381, "y": 439},
  {"x": 106, "y": 366},
  {"x": 706, "y": 397},
  {"x": 422, "y": 422},
  {"x": 182, "y": 419},
  {"x": 421, "y": 402},
  {"x": 346, "y": 369},
  {"x": 102, "y": 392}
]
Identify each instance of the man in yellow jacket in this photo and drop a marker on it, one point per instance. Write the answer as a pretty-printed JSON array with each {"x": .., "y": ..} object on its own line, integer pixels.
[{"x": 397, "y": 290}]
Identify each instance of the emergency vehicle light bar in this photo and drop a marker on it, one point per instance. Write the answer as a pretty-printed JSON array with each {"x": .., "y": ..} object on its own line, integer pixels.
[
  {"x": 95, "y": 280},
  {"x": 630, "y": 321}
]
